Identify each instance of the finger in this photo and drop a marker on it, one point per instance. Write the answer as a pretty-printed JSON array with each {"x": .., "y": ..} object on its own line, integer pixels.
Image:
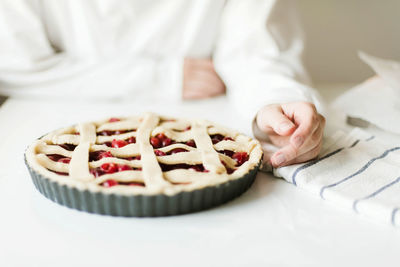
[
  {"x": 272, "y": 117},
  {"x": 311, "y": 140},
  {"x": 291, "y": 154},
  {"x": 284, "y": 155},
  {"x": 307, "y": 119},
  {"x": 309, "y": 155}
]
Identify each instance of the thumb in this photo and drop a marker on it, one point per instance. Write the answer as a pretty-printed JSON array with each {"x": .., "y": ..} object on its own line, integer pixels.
[{"x": 272, "y": 118}]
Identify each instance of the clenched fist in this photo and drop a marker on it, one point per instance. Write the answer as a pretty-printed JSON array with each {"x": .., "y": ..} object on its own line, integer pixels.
[{"x": 296, "y": 128}]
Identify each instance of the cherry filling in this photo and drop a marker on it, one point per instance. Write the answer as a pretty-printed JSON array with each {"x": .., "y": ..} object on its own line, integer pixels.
[
  {"x": 197, "y": 167},
  {"x": 133, "y": 158},
  {"x": 109, "y": 133},
  {"x": 159, "y": 152},
  {"x": 229, "y": 153},
  {"x": 191, "y": 143},
  {"x": 216, "y": 138},
  {"x": 160, "y": 140},
  {"x": 113, "y": 120},
  {"x": 228, "y": 170},
  {"x": 117, "y": 143},
  {"x": 239, "y": 157},
  {"x": 111, "y": 183},
  {"x": 108, "y": 168},
  {"x": 176, "y": 150},
  {"x": 68, "y": 147},
  {"x": 173, "y": 151},
  {"x": 62, "y": 173},
  {"x": 59, "y": 158},
  {"x": 98, "y": 155}
]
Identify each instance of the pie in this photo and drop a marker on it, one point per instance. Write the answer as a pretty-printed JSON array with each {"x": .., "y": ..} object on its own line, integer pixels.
[{"x": 147, "y": 165}]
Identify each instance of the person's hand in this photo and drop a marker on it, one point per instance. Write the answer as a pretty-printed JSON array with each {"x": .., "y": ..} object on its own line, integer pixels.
[
  {"x": 200, "y": 79},
  {"x": 296, "y": 128}
]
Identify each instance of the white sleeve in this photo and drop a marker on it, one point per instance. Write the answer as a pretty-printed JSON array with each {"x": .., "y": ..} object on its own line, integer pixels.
[
  {"x": 31, "y": 67},
  {"x": 258, "y": 55}
]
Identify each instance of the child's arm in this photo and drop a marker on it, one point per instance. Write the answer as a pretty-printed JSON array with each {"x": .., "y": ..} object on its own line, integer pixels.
[
  {"x": 258, "y": 55},
  {"x": 200, "y": 79}
]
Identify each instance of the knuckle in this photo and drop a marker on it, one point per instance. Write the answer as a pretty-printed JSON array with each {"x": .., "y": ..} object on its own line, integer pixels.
[
  {"x": 308, "y": 105},
  {"x": 322, "y": 119},
  {"x": 316, "y": 150},
  {"x": 316, "y": 137},
  {"x": 292, "y": 152}
]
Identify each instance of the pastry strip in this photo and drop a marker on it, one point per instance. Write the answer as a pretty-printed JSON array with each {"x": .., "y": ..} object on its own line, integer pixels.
[{"x": 152, "y": 173}]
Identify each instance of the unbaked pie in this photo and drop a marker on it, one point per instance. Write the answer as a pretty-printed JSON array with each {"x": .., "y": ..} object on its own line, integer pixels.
[{"x": 145, "y": 165}]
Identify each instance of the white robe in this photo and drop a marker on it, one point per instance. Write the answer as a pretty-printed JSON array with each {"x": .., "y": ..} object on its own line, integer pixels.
[{"x": 133, "y": 49}]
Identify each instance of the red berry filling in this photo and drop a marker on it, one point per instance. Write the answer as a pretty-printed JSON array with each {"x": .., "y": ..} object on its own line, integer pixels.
[
  {"x": 229, "y": 153},
  {"x": 131, "y": 140},
  {"x": 197, "y": 167},
  {"x": 109, "y": 183},
  {"x": 176, "y": 150},
  {"x": 155, "y": 142},
  {"x": 64, "y": 160},
  {"x": 228, "y": 170},
  {"x": 68, "y": 147},
  {"x": 134, "y": 158},
  {"x": 54, "y": 157},
  {"x": 60, "y": 173},
  {"x": 135, "y": 184},
  {"x": 98, "y": 155},
  {"x": 240, "y": 157},
  {"x": 108, "y": 168},
  {"x": 191, "y": 143},
  {"x": 159, "y": 152},
  {"x": 122, "y": 168},
  {"x": 113, "y": 120},
  {"x": 116, "y": 143},
  {"x": 59, "y": 158},
  {"x": 96, "y": 172},
  {"x": 109, "y": 132},
  {"x": 216, "y": 138},
  {"x": 160, "y": 140}
]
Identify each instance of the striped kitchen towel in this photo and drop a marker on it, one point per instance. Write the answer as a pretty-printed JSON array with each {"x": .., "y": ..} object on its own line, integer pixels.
[{"x": 356, "y": 170}]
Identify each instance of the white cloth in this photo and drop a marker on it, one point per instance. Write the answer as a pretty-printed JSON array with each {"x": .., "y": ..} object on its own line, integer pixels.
[
  {"x": 357, "y": 171},
  {"x": 377, "y": 100},
  {"x": 128, "y": 49}
]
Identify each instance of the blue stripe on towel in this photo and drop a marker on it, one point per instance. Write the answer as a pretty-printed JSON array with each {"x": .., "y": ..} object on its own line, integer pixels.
[
  {"x": 395, "y": 210},
  {"x": 359, "y": 171},
  {"x": 355, "y": 143},
  {"x": 311, "y": 163},
  {"x": 375, "y": 193},
  {"x": 370, "y": 138}
]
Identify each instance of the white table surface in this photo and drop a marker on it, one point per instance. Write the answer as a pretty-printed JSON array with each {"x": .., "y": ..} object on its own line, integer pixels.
[{"x": 273, "y": 223}]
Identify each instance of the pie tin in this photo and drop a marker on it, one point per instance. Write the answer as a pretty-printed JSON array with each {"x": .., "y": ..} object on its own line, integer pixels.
[{"x": 142, "y": 205}]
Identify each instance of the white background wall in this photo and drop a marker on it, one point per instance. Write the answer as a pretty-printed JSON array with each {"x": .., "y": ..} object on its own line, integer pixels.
[{"x": 336, "y": 29}]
